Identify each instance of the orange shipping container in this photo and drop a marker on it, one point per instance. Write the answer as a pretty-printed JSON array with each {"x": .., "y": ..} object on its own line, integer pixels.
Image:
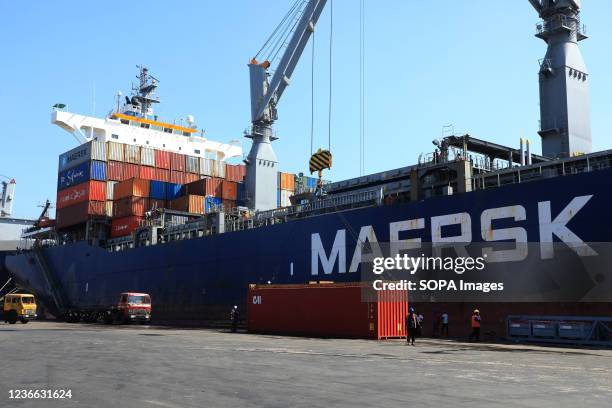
[
  {"x": 78, "y": 213},
  {"x": 204, "y": 187},
  {"x": 229, "y": 190},
  {"x": 286, "y": 181},
  {"x": 189, "y": 203},
  {"x": 177, "y": 177},
  {"x": 161, "y": 174},
  {"x": 162, "y": 159},
  {"x": 177, "y": 162},
  {"x": 124, "y": 226},
  {"x": 234, "y": 173},
  {"x": 129, "y": 206},
  {"x": 146, "y": 172},
  {"x": 132, "y": 187},
  {"x": 115, "y": 170},
  {"x": 130, "y": 171},
  {"x": 190, "y": 177},
  {"x": 89, "y": 191}
]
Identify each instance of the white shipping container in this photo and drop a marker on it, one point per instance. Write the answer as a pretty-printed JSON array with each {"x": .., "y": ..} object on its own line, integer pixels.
[
  {"x": 115, "y": 151},
  {"x": 132, "y": 154},
  {"x": 207, "y": 167},
  {"x": 109, "y": 189},
  {"x": 147, "y": 156},
  {"x": 109, "y": 209},
  {"x": 193, "y": 164},
  {"x": 220, "y": 169},
  {"x": 284, "y": 198}
]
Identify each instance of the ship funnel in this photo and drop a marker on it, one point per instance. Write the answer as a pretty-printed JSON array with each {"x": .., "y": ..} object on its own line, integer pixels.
[{"x": 564, "y": 94}]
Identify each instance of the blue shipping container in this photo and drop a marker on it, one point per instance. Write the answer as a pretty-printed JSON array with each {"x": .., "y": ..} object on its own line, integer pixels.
[
  {"x": 94, "y": 170},
  {"x": 173, "y": 191},
  {"x": 212, "y": 203},
  {"x": 157, "y": 190}
]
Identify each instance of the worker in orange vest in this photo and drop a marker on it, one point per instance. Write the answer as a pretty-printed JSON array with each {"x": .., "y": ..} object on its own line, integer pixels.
[{"x": 475, "y": 325}]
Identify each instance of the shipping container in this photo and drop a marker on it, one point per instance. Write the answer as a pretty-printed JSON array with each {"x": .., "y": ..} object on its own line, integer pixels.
[
  {"x": 177, "y": 177},
  {"x": 173, "y": 191},
  {"x": 212, "y": 204},
  {"x": 132, "y": 187},
  {"x": 115, "y": 171},
  {"x": 229, "y": 190},
  {"x": 228, "y": 205},
  {"x": 177, "y": 162},
  {"x": 79, "y": 213},
  {"x": 129, "y": 206},
  {"x": 95, "y": 170},
  {"x": 124, "y": 226},
  {"x": 327, "y": 310},
  {"x": 147, "y": 156},
  {"x": 207, "y": 166},
  {"x": 220, "y": 172},
  {"x": 192, "y": 164},
  {"x": 305, "y": 184},
  {"x": 190, "y": 203},
  {"x": 162, "y": 159},
  {"x": 190, "y": 177},
  {"x": 89, "y": 151},
  {"x": 284, "y": 198},
  {"x": 286, "y": 181},
  {"x": 89, "y": 191},
  {"x": 130, "y": 171},
  {"x": 157, "y": 190},
  {"x": 161, "y": 174},
  {"x": 146, "y": 172},
  {"x": 115, "y": 151},
  {"x": 110, "y": 189},
  {"x": 132, "y": 154},
  {"x": 234, "y": 172},
  {"x": 109, "y": 209},
  {"x": 204, "y": 187}
]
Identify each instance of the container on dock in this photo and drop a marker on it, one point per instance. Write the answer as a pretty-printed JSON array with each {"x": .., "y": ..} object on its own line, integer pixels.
[
  {"x": 147, "y": 156},
  {"x": 128, "y": 206},
  {"x": 162, "y": 159},
  {"x": 94, "y": 170},
  {"x": 89, "y": 191},
  {"x": 190, "y": 203},
  {"x": 132, "y": 187},
  {"x": 89, "y": 151},
  {"x": 121, "y": 227},
  {"x": 327, "y": 310},
  {"x": 132, "y": 154},
  {"x": 79, "y": 213},
  {"x": 177, "y": 162}
]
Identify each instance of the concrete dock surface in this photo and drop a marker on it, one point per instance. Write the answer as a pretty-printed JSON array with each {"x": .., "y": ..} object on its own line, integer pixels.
[{"x": 149, "y": 366}]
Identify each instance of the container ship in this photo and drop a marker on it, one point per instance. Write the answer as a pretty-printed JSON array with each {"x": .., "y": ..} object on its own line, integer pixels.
[{"x": 156, "y": 207}]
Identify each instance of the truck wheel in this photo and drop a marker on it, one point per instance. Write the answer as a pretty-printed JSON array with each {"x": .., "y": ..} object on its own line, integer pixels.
[
  {"x": 12, "y": 317},
  {"x": 23, "y": 321}
]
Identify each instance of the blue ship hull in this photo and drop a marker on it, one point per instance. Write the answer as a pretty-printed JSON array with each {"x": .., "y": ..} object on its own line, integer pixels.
[{"x": 199, "y": 278}]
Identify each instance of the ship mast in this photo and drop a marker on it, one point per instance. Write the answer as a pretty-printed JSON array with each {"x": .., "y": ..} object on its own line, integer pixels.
[
  {"x": 144, "y": 94},
  {"x": 564, "y": 93}
]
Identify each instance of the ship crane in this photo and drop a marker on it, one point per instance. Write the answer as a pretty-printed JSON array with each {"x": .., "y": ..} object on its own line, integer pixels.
[{"x": 261, "y": 163}]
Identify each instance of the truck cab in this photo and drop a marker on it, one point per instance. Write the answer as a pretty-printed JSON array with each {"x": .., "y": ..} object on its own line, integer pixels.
[
  {"x": 19, "y": 306},
  {"x": 134, "y": 307}
]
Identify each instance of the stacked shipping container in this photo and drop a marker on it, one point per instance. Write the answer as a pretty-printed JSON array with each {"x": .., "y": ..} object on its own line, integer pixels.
[{"x": 286, "y": 188}]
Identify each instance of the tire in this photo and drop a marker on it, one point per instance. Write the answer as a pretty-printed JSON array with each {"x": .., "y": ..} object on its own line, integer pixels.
[
  {"x": 12, "y": 317},
  {"x": 23, "y": 321}
]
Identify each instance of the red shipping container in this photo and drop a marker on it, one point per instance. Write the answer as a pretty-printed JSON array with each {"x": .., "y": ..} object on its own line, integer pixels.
[
  {"x": 79, "y": 213},
  {"x": 162, "y": 159},
  {"x": 177, "y": 177},
  {"x": 234, "y": 173},
  {"x": 89, "y": 191},
  {"x": 190, "y": 203},
  {"x": 209, "y": 186},
  {"x": 161, "y": 175},
  {"x": 130, "y": 171},
  {"x": 121, "y": 227},
  {"x": 190, "y": 177},
  {"x": 129, "y": 206},
  {"x": 229, "y": 190},
  {"x": 132, "y": 187},
  {"x": 146, "y": 172},
  {"x": 351, "y": 310},
  {"x": 177, "y": 162},
  {"x": 115, "y": 171}
]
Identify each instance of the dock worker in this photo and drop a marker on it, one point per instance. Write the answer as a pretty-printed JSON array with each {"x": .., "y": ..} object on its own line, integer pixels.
[
  {"x": 444, "y": 320},
  {"x": 476, "y": 320},
  {"x": 235, "y": 317},
  {"x": 411, "y": 325}
]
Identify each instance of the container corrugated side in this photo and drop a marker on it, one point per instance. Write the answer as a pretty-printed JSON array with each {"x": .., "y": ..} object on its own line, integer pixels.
[
  {"x": 73, "y": 176},
  {"x": 205, "y": 187},
  {"x": 89, "y": 191},
  {"x": 109, "y": 209},
  {"x": 110, "y": 188},
  {"x": 115, "y": 171},
  {"x": 92, "y": 150},
  {"x": 161, "y": 174},
  {"x": 177, "y": 177},
  {"x": 98, "y": 170},
  {"x": 124, "y": 226},
  {"x": 146, "y": 173},
  {"x": 132, "y": 187},
  {"x": 147, "y": 156},
  {"x": 207, "y": 166},
  {"x": 177, "y": 162},
  {"x": 286, "y": 181},
  {"x": 132, "y": 154},
  {"x": 79, "y": 213},
  {"x": 115, "y": 151},
  {"x": 229, "y": 190},
  {"x": 129, "y": 206},
  {"x": 212, "y": 204},
  {"x": 190, "y": 177},
  {"x": 162, "y": 159},
  {"x": 130, "y": 171},
  {"x": 157, "y": 190},
  {"x": 173, "y": 191},
  {"x": 220, "y": 169},
  {"x": 190, "y": 203},
  {"x": 192, "y": 164},
  {"x": 234, "y": 172},
  {"x": 284, "y": 197}
]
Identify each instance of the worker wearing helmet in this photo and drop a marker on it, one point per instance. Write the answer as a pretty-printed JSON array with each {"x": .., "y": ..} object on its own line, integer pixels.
[
  {"x": 411, "y": 326},
  {"x": 476, "y": 319}
]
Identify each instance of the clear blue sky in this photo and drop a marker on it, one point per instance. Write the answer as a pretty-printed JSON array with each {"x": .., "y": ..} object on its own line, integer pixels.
[{"x": 472, "y": 63}]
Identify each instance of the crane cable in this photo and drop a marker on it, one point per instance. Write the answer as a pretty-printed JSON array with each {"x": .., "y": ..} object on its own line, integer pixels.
[
  {"x": 312, "y": 68},
  {"x": 362, "y": 87},
  {"x": 331, "y": 36}
]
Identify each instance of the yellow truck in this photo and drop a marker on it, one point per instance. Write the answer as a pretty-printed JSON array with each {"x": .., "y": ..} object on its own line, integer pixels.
[{"x": 19, "y": 306}]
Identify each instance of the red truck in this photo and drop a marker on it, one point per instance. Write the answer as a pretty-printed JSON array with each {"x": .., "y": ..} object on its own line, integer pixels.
[{"x": 131, "y": 307}]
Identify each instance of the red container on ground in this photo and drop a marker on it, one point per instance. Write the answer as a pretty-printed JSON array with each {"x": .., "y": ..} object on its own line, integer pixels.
[
  {"x": 79, "y": 213},
  {"x": 177, "y": 162},
  {"x": 129, "y": 206},
  {"x": 115, "y": 171},
  {"x": 89, "y": 191},
  {"x": 162, "y": 159},
  {"x": 177, "y": 177},
  {"x": 121, "y": 227},
  {"x": 229, "y": 190},
  {"x": 191, "y": 177},
  {"x": 130, "y": 171},
  {"x": 161, "y": 174},
  {"x": 327, "y": 310},
  {"x": 146, "y": 172}
]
